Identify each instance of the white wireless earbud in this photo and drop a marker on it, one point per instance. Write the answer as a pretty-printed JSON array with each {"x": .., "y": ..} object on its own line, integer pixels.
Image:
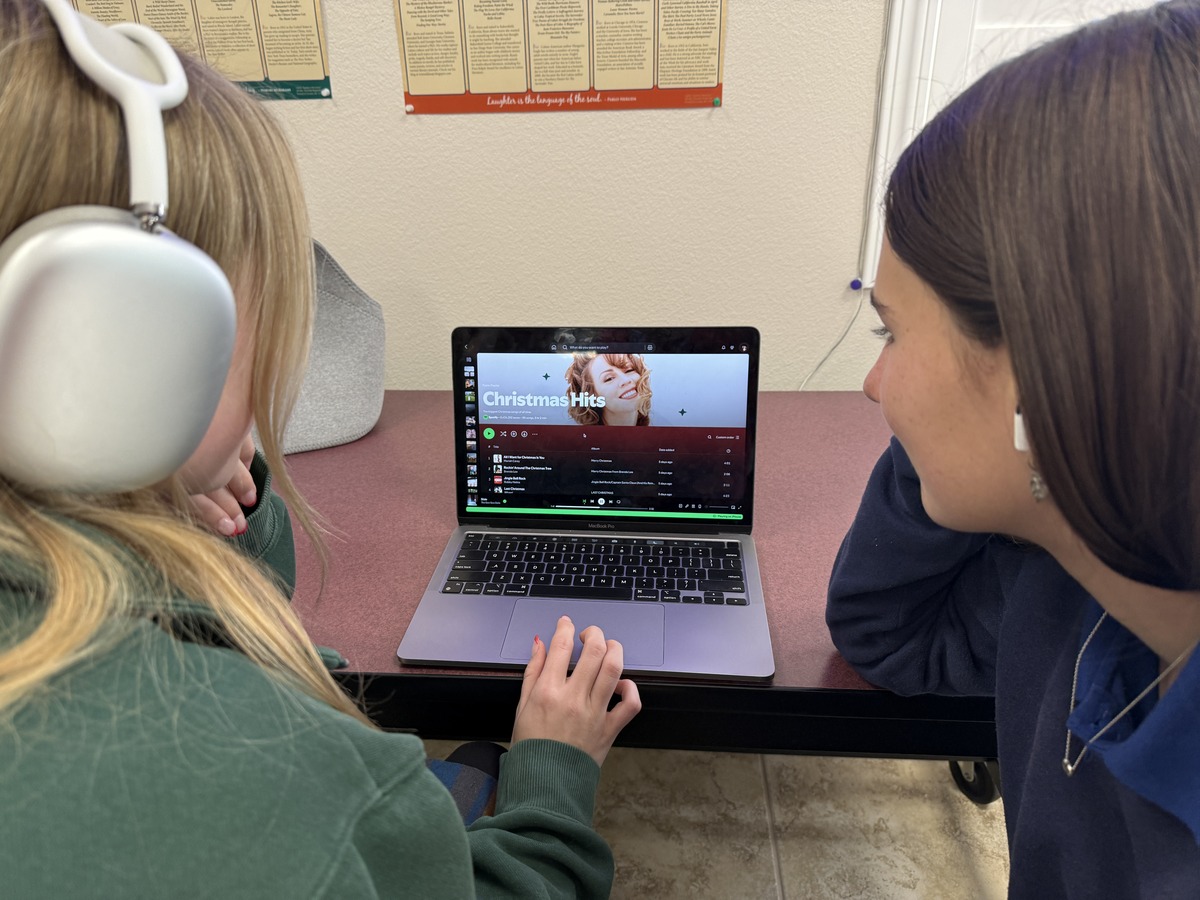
[{"x": 1020, "y": 439}]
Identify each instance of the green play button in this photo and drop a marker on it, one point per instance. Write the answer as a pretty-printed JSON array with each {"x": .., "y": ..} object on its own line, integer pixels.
[{"x": 489, "y": 433}]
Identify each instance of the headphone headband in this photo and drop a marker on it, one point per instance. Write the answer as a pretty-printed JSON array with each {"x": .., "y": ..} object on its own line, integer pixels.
[{"x": 141, "y": 101}]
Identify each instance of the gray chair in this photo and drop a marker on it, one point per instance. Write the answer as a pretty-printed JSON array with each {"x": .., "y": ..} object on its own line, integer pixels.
[{"x": 342, "y": 393}]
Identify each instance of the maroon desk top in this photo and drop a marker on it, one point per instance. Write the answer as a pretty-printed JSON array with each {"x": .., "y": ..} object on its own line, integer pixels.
[{"x": 390, "y": 498}]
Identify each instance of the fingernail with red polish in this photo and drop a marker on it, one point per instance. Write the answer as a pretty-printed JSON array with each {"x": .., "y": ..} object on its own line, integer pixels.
[{"x": 226, "y": 527}]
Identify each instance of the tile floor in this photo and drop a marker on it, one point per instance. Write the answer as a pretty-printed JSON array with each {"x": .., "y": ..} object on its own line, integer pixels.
[{"x": 732, "y": 826}]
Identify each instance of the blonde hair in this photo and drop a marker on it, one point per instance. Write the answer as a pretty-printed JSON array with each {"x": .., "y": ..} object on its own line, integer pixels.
[
  {"x": 579, "y": 379},
  {"x": 103, "y": 563}
]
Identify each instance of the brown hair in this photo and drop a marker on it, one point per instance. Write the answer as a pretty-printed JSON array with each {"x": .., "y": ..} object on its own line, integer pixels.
[
  {"x": 1054, "y": 207},
  {"x": 235, "y": 193},
  {"x": 579, "y": 379}
]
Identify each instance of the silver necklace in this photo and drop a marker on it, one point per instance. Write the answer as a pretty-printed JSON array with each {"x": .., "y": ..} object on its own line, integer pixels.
[{"x": 1070, "y": 767}]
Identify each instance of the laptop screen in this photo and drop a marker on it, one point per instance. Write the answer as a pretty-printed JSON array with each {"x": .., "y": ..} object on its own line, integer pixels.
[{"x": 648, "y": 428}]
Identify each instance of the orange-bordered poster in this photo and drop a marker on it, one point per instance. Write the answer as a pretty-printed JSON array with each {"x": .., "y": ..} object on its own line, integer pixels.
[{"x": 476, "y": 56}]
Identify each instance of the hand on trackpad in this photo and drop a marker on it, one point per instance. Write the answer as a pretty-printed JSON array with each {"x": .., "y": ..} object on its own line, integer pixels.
[{"x": 638, "y": 626}]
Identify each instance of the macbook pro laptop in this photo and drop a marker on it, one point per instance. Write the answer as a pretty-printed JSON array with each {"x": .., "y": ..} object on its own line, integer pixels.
[{"x": 606, "y": 474}]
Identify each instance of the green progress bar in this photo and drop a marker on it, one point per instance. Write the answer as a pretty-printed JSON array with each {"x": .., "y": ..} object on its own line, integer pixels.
[{"x": 644, "y": 514}]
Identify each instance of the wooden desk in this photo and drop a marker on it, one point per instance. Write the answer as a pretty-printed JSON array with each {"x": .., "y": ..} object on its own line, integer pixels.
[{"x": 390, "y": 497}]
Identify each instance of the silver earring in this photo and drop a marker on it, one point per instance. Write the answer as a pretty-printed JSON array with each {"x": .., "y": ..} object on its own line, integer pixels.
[{"x": 1037, "y": 486}]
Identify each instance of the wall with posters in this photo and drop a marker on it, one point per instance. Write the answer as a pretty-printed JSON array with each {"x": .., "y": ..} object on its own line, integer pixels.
[{"x": 750, "y": 213}]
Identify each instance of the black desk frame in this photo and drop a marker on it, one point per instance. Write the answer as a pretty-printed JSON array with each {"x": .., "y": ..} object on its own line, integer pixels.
[{"x": 732, "y": 718}]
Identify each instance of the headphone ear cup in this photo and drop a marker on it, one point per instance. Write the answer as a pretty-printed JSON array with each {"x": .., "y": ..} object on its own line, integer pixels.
[{"x": 115, "y": 344}]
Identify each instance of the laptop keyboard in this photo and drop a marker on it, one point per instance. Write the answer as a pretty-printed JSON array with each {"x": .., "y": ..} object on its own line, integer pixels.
[{"x": 576, "y": 567}]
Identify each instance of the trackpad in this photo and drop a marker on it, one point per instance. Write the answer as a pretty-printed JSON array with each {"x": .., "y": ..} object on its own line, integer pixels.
[{"x": 638, "y": 626}]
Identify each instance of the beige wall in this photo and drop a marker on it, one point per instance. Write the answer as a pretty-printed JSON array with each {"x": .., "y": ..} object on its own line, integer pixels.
[{"x": 749, "y": 214}]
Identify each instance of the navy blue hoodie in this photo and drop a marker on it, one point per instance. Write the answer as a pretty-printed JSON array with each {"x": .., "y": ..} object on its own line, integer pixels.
[{"x": 916, "y": 608}]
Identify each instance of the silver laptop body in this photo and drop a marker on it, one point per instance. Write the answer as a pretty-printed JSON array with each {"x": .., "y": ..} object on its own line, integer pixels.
[{"x": 605, "y": 474}]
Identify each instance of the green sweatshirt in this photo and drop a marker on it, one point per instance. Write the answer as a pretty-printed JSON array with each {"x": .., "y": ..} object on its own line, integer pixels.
[{"x": 172, "y": 769}]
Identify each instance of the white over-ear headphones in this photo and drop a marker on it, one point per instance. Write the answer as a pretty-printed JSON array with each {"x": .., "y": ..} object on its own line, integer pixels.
[{"x": 115, "y": 335}]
